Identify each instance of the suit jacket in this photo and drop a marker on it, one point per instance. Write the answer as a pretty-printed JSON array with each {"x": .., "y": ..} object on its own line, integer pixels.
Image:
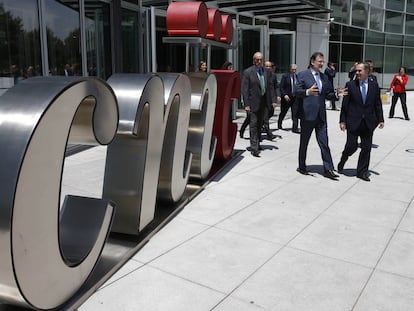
[
  {"x": 353, "y": 109},
  {"x": 251, "y": 90},
  {"x": 286, "y": 86},
  {"x": 311, "y": 107}
]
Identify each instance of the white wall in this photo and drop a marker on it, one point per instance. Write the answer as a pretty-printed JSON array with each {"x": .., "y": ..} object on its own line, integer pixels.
[{"x": 311, "y": 36}]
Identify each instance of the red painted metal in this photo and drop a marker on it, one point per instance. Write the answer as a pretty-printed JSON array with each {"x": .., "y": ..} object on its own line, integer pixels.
[
  {"x": 214, "y": 25},
  {"x": 226, "y": 29},
  {"x": 187, "y": 19}
]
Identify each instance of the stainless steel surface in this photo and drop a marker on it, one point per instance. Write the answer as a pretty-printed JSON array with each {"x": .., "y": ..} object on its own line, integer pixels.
[
  {"x": 133, "y": 159},
  {"x": 200, "y": 140},
  {"x": 175, "y": 159},
  {"x": 38, "y": 267}
]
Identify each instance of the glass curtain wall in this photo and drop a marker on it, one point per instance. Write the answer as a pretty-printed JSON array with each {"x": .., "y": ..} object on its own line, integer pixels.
[
  {"x": 98, "y": 39},
  {"x": 63, "y": 37},
  {"x": 20, "y": 53},
  {"x": 379, "y": 30}
]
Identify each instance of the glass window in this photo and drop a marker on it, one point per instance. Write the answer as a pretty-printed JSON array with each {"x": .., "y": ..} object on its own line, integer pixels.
[
  {"x": 376, "y": 54},
  {"x": 341, "y": 10},
  {"x": 397, "y": 5},
  {"x": 335, "y": 32},
  {"x": 376, "y": 19},
  {"x": 375, "y": 37},
  {"x": 378, "y": 3},
  {"x": 392, "y": 39},
  {"x": 393, "y": 22},
  {"x": 334, "y": 54},
  {"x": 409, "y": 60},
  {"x": 351, "y": 34},
  {"x": 409, "y": 24},
  {"x": 409, "y": 41},
  {"x": 410, "y": 6},
  {"x": 20, "y": 55},
  {"x": 393, "y": 59},
  {"x": 63, "y": 37},
  {"x": 359, "y": 14},
  {"x": 98, "y": 39},
  {"x": 130, "y": 41},
  {"x": 351, "y": 53}
]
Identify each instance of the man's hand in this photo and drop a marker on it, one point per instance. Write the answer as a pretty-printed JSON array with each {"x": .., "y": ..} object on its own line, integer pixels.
[
  {"x": 286, "y": 97},
  {"x": 274, "y": 105},
  {"x": 247, "y": 108},
  {"x": 342, "y": 126},
  {"x": 381, "y": 125},
  {"x": 313, "y": 90},
  {"x": 341, "y": 91}
]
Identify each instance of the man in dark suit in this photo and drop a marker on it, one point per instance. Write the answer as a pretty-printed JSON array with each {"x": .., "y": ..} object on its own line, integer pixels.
[
  {"x": 312, "y": 89},
  {"x": 258, "y": 94},
  {"x": 287, "y": 93},
  {"x": 361, "y": 113}
]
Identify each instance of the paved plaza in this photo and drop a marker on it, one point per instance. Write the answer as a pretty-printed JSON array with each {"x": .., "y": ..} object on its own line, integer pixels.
[{"x": 261, "y": 237}]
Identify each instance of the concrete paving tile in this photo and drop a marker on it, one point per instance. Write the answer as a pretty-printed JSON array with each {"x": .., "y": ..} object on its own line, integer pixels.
[
  {"x": 371, "y": 209},
  {"x": 354, "y": 241},
  {"x": 126, "y": 269},
  {"x": 387, "y": 292},
  {"x": 176, "y": 232},
  {"x": 232, "y": 304},
  {"x": 268, "y": 221},
  {"x": 241, "y": 186},
  {"x": 396, "y": 173},
  {"x": 382, "y": 187},
  {"x": 152, "y": 290},
  {"x": 210, "y": 207},
  {"x": 313, "y": 197},
  {"x": 294, "y": 280},
  {"x": 399, "y": 255},
  {"x": 407, "y": 224},
  {"x": 217, "y": 259}
]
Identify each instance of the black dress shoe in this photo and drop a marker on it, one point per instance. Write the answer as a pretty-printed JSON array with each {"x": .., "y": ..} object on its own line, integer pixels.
[
  {"x": 271, "y": 136},
  {"x": 341, "y": 166},
  {"x": 302, "y": 171},
  {"x": 297, "y": 131},
  {"x": 255, "y": 153},
  {"x": 364, "y": 177},
  {"x": 330, "y": 174},
  {"x": 241, "y": 135},
  {"x": 408, "y": 119}
]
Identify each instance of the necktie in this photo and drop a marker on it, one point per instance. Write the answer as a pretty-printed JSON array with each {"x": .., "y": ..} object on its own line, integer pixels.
[
  {"x": 293, "y": 84},
  {"x": 262, "y": 82},
  {"x": 318, "y": 81},
  {"x": 363, "y": 91}
]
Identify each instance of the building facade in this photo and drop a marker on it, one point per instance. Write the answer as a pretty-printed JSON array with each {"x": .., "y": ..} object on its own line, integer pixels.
[{"x": 101, "y": 37}]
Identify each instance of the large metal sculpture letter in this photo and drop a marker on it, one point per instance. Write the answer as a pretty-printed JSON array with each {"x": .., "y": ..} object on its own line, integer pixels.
[
  {"x": 175, "y": 160},
  {"x": 46, "y": 254},
  {"x": 133, "y": 159},
  {"x": 200, "y": 133}
]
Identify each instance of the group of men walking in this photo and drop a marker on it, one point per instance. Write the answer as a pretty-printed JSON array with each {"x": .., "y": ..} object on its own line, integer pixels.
[{"x": 305, "y": 93}]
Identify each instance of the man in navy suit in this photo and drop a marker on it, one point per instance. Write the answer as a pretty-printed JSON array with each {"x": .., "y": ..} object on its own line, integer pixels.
[
  {"x": 258, "y": 94},
  {"x": 312, "y": 89},
  {"x": 361, "y": 113},
  {"x": 287, "y": 93}
]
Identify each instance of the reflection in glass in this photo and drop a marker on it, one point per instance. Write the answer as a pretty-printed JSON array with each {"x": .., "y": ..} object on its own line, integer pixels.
[
  {"x": 393, "y": 59},
  {"x": 359, "y": 14},
  {"x": 130, "y": 41},
  {"x": 393, "y": 22},
  {"x": 376, "y": 19},
  {"x": 20, "y": 55},
  {"x": 410, "y": 6},
  {"x": 409, "y": 60},
  {"x": 352, "y": 34},
  {"x": 397, "y": 5},
  {"x": 63, "y": 37},
  {"x": 409, "y": 41},
  {"x": 378, "y": 3},
  {"x": 375, "y": 37},
  {"x": 392, "y": 39},
  {"x": 409, "y": 24},
  {"x": 334, "y": 32},
  {"x": 351, "y": 53},
  {"x": 376, "y": 54},
  {"x": 98, "y": 39},
  {"x": 341, "y": 10}
]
